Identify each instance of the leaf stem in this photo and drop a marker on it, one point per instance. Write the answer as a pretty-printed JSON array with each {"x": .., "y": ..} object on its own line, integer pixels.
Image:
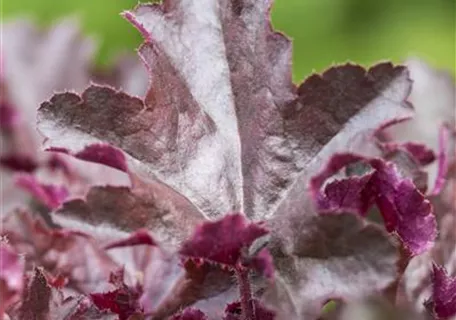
[{"x": 248, "y": 312}]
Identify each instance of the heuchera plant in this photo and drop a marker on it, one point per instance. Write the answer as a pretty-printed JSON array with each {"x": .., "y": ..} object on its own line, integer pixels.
[{"x": 198, "y": 182}]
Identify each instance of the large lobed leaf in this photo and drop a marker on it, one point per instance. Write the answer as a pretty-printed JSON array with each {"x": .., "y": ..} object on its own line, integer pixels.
[
  {"x": 223, "y": 129},
  {"x": 220, "y": 125}
]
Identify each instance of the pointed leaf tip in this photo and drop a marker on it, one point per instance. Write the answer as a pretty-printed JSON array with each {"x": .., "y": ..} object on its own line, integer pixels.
[{"x": 442, "y": 303}]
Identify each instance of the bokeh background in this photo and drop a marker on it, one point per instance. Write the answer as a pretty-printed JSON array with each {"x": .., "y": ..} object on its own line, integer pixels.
[{"x": 324, "y": 31}]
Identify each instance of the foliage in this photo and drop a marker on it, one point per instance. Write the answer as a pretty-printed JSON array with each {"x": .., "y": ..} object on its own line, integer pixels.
[{"x": 208, "y": 185}]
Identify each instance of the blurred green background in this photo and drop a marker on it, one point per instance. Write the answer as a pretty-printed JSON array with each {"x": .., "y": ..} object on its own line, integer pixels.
[{"x": 324, "y": 31}]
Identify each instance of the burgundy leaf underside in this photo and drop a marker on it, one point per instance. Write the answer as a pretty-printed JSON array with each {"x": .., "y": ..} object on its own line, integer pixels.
[{"x": 404, "y": 209}]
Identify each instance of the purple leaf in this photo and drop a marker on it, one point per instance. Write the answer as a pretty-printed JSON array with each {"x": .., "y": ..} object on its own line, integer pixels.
[
  {"x": 404, "y": 209},
  {"x": 347, "y": 193},
  {"x": 443, "y": 300},
  {"x": 223, "y": 241},
  {"x": 210, "y": 133},
  {"x": 416, "y": 284},
  {"x": 124, "y": 300},
  {"x": 226, "y": 242},
  {"x": 285, "y": 179}
]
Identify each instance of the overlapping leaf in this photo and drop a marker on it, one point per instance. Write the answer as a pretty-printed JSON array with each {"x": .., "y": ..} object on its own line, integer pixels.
[
  {"x": 404, "y": 209},
  {"x": 235, "y": 136},
  {"x": 123, "y": 300},
  {"x": 443, "y": 300}
]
